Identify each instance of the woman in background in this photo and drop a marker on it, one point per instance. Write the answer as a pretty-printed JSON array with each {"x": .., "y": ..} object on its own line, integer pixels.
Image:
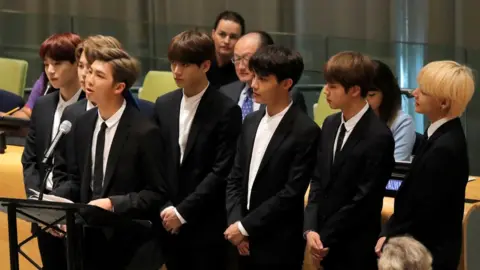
[{"x": 385, "y": 99}]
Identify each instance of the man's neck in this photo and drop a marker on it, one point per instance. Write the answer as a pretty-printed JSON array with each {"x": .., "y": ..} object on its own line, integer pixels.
[
  {"x": 110, "y": 108},
  {"x": 196, "y": 88},
  {"x": 353, "y": 109},
  {"x": 68, "y": 92},
  {"x": 222, "y": 60},
  {"x": 278, "y": 105},
  {"x": 435, "y": 117}
]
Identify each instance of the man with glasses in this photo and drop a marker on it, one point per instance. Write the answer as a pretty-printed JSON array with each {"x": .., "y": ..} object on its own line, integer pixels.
[
  {"x": 228, "y": 28},
  {"x": 241, "y": 91}
]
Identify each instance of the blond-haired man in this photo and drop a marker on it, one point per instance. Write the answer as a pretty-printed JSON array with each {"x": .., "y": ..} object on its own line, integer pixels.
[{"x": 430, "y": 203}]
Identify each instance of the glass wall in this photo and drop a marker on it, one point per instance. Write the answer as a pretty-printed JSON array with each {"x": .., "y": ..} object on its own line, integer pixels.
[{"x": 147, "y": 38}]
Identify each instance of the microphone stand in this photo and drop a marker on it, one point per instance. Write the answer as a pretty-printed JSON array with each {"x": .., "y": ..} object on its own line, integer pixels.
[{"x": 48, "y": 169}]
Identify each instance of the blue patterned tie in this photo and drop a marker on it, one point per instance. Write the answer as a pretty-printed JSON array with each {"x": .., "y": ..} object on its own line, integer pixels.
[{"x": 247, "y": 106}]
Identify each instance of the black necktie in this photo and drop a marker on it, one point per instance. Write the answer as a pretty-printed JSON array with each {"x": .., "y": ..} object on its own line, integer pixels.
[
  {"x": 341, "y": 136},
  {"x": 98, "y": 169}
]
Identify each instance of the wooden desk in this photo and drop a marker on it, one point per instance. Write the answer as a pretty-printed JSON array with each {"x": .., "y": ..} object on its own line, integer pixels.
[
  {"x": 11, "y": 185},
  {"x": 472, "y": 191}
]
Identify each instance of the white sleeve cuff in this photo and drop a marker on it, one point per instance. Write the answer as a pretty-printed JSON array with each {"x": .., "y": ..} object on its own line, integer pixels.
[
  {"x": 179, "y": 216},
  {"x": 242, "y": 229}
]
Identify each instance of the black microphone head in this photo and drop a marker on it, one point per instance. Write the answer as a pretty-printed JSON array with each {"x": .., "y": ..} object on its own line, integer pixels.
[{"x": 65, "y": 127}]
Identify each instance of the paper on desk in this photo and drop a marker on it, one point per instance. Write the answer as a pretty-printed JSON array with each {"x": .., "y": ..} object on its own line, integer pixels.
[
  {"x": 48, "y": 198},
  {"x": 471, "y": 178}
]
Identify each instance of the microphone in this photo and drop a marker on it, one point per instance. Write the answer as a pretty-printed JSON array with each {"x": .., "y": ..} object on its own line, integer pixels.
[{"x": 64, "y": 128}]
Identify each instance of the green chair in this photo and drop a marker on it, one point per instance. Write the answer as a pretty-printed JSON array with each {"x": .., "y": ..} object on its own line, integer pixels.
[
  {"x": 157, "y": 83},
  {"x": 13, "y": 74},
  {"x": 322, "y": 109}
]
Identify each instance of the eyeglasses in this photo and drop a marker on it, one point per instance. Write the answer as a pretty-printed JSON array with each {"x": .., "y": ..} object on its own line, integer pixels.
[{"x": 240, "y": 59}]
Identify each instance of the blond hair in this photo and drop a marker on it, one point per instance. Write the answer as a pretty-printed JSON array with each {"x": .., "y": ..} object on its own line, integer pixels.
[
  {"x": 448, "y": 80},
  {"x": 95, "y": 42},
  {"x": 405, "y": 253},
  {"x": 125, "y": 68}
]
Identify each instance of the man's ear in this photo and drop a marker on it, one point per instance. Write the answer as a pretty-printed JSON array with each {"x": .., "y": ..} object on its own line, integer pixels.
[
  {"x": 354, "y": 91},
  {"x": 119, "y": 88},
  {"x": 287, "y": 83},
  {"x": 205, "y": 66}
]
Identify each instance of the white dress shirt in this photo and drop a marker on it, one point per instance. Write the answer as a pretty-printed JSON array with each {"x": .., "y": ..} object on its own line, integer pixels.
[
  {"x": 89, "y": 106},
  {"x": 436, "y": 125},
  {"x": 188, "y": 109},
  {"x": 61, "y": 105},
  {"x": 243, "y": 96},
  {"x": 264, "y": 134},
  {"x": 349, "y": 125},
  {"x": 112, "y": 124}
]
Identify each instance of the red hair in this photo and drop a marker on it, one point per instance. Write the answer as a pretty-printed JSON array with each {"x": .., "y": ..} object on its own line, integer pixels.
[{"x": 60, "y": 47}]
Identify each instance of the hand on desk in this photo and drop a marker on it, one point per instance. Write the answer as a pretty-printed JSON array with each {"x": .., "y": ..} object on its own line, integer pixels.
[
  {"x": 244, "y": 248},
  {"x": 104, "y": 203},
  {"x": 317, "y": 250},
  {"x": 57, "y": 233},
  {"x": 171, "y": 222},
  {"x": 379, "y": 246},
  {"x": 234, "y": 235}
]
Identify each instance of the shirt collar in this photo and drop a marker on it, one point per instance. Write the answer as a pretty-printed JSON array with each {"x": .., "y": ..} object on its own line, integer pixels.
[
  {"x": 278, "y": 115},
  {"x": 350, "y": 124},
  {"x": 90, "y": 105},
  {"x": 72, "y": 100},
  {"x": 436, "y": 125},
  {"x": 197, "y": 97},
  {"x": 115, "y": 118}
]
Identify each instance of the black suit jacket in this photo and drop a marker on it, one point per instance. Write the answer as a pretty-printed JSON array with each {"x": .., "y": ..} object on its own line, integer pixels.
[
  {"x": 234, "y": 89},
  {"x": 197, "y": 186},
  {"x": 38, "y": 140},
  {"x": 346, "y": 195},
  {"x": 133, "y": 178},
  {"x": 430, "y": 203},
  {"x": 274, "y": 220},
  {"x": 133, "y": 182}
]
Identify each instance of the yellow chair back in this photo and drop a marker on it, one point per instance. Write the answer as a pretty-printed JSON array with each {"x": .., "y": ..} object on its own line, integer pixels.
[{"x": 157, "y": 83}]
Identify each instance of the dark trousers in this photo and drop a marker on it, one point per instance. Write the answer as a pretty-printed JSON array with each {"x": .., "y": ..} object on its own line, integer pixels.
[
  {"x": 183, "y": 257},
  {"x": 52, "y": 251}
]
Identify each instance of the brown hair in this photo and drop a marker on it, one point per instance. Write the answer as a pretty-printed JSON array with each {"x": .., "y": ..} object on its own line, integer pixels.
[
  {"x": 60, "y": 47},
  {"x": 95, "y": 42},
  {"x": 350, "y": 69},
  {"x": 125, "y": 68},
  {"x": 191, "y": 47}
]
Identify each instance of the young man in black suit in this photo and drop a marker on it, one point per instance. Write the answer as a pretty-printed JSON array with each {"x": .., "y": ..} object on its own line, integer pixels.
[
  {"x": 275, "y": 156},
  {"x": 115, "y": 165},
  {"x": 58, "y": 55},
  {"x": 342, "y": 218},
  {"x": 430, "y": 203},
  {"x": 241, "y": 91},
  {"x": 199, "y": 128}
]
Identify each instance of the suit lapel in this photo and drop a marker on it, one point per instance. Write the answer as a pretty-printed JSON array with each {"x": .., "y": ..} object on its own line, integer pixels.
[
  {"x": 175, "y": 126},
  {"x": 49, "y": 118},
  {"x": 437, "y": 134},
  {"x": 352, "y": 140},
  {"x": 201, "y": 115},
  {"x": 330, "y": 142},
  {"x": 283, "y": 129},
  {"x": 119, "y": 139},
  {"x": 237, "y": 91},
  {"x": 87, "y": 162},
  {"x": 249, "y": 142}
]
